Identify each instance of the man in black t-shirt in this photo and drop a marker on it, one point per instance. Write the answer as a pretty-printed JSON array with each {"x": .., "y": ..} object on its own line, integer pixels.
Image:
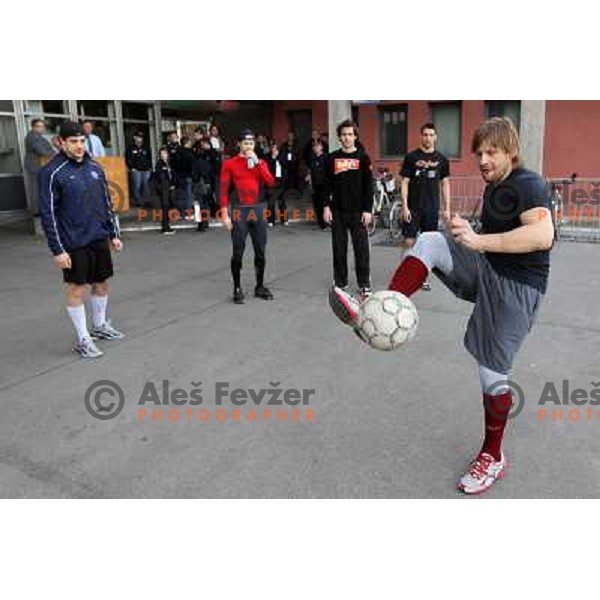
[
  {"x": 503, "y": 271},
  {"x": 424, "y": 172}
]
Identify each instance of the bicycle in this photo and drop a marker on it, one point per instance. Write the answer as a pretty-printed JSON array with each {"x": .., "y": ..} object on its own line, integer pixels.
[
  {"x": 381, "y": 206},
  {"x": 556, "y": 207},
  {"x": 386, "y": 206}
]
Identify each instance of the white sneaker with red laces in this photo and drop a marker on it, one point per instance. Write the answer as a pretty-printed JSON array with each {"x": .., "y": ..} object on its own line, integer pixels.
[
  {"x": 483, "y": 471},
  {"x": 344, "y": 305}
]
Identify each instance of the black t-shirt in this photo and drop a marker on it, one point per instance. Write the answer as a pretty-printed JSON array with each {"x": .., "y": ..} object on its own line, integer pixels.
[
  {"x": 425, "y": 171},
  {"x": 350, "y": 181},
  {"x": 503, "y": 204}
]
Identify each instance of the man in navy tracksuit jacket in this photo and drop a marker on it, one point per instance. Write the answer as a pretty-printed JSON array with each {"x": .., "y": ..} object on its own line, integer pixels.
[{"x": 77, "y": 218}]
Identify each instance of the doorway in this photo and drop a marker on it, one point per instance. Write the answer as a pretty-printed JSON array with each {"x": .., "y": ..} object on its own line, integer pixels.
[{"x": 301, "y": 124}]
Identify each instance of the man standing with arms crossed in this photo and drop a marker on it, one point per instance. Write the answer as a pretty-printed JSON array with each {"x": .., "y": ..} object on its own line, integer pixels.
[
  {"x": 424, "y": 171},
  {"x": 247, "y": 175},
  {"x": 77, "y": 218},
  {"x": 348, "y": 208}
]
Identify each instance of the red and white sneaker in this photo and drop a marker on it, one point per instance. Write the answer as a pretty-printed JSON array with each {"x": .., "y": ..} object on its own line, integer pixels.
[
  {"x": 483, "y": 471},
  {"x": 344, "y": 305}
]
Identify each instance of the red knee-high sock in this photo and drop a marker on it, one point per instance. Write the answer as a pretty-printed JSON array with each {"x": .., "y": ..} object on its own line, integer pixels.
[
  {"x": 496, "y": 413},
  {"x": 409, "y": 276}
]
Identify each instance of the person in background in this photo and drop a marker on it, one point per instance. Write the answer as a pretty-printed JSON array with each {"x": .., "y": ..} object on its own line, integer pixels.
[
  {"x": 202, "y": 177},
  {"x": 139, "y": 162},
  {"x": 308, "y": 152},
  {"x": 274, "y": 163},
  {"x": 164, "y": 184},
  {"x": 289, "y": 162},
  {"x": 318, "y": 177},
  {"x": 173, "y": 148},
  {"x": 184, "y": 169},
  {"x": 198, "y": 137},
  {"x": 38, "y": 150},
  {"x": 262, "y": 146},
  {"x": 93, "y": 144}
]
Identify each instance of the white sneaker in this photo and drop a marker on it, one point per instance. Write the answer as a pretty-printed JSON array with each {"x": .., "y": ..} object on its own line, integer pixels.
[
  {"x": 87, "y": 349},
  {"x": 344, "y": 305},
  {"x": 483, "y": 471},
  {"x": 106, "y": 332}
]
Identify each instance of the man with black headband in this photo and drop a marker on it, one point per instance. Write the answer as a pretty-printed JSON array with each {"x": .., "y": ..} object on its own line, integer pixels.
[
  {"x": 247, "y": 175},
  {"x": 78, "y": 221}
]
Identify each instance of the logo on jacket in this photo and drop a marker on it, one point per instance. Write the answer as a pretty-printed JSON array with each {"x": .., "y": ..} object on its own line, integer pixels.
[
  {"x": 95, "y": 175},
  {"x": 341, "y": 165}
]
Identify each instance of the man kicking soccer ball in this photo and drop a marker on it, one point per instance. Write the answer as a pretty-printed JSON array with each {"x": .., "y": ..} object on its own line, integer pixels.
[
  {"x": 503, "y": 271},
  {"x": 77, "y": 218}
]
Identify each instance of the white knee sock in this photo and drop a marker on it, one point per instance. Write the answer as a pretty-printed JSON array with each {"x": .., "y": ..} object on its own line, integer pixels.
[
  {"x": 433, "y": 250},
  {"x": 98, "y": 310},
  {"x": 77, "y": 314},
  {"x": 491, "y": 381}
]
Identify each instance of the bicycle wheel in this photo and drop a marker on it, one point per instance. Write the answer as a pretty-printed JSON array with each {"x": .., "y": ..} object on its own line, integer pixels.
[
  {"x": 372, "y": 226},
  {"x": 394, "y": 225}
]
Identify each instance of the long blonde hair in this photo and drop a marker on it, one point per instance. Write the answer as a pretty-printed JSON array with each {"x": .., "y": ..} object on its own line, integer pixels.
[{"x": 500, "y": 133}]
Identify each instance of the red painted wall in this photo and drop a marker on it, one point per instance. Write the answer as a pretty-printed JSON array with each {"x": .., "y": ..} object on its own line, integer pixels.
[
  {"x": 572, "y": 138},
  {"x": 418, "y": 113},
  {"x": 281, "y": 124}
]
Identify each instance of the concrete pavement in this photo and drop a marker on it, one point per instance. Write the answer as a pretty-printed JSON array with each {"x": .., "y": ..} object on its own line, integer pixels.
[{"x": 386, "y": 425}]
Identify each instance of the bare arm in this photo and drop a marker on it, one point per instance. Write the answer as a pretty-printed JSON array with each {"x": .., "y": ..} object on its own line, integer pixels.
[
  {"x": 535, "y": 233},
  {"x": 446, "y": 196}
]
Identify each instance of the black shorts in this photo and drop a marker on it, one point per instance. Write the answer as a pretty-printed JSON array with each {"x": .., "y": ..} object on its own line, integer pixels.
[
  {"x": 90, "y": 264},
  {"x": 421, "y": 221}
]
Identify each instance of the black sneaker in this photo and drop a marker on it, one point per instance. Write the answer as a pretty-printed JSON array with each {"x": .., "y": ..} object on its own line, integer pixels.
[
  {"x": 262, "y": 292},
  {"x": 168, "y": 231},
  {"x": 238, "y": 296}
]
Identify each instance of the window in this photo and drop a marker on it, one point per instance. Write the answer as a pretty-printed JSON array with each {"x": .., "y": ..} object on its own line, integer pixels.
[
  {"x": 9, "y": 151},
  {"x": 52, "y": 107},
  {"x": 504, "y": 108},
  {"x": 446, "y": 117},
  {"x": 102, "y": 115},
  {"x": 134, "y": 110},
  {"x": 392, "y": 130},
  {"x": 6, "y": 106},
  {"x": 94, "y": 108}
]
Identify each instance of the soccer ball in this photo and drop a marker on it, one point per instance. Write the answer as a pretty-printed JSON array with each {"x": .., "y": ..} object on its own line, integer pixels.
[{"x": 386, "y": 320}]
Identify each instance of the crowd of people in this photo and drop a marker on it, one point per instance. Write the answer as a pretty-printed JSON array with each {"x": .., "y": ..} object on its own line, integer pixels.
[{"x": 185, "y": 177}]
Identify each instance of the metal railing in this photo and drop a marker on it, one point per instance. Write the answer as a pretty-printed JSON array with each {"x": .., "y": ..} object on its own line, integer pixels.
[{"x": 577, "y": 208}]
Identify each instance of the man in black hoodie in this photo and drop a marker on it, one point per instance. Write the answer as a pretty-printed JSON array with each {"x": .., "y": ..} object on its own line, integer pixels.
[
  {"x": 348, "y": 209},
  {"x": 184, "y": 168},
  {"x": 318, "y": 176},
  {"x": 203, "y": 176},
  {"x": 164, "y": 184}
]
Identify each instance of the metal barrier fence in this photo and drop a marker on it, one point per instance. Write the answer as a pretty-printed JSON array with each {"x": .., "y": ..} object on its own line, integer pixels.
[
  {"x": 466, "y": 194},
  {"x": 576, "y": 204}
]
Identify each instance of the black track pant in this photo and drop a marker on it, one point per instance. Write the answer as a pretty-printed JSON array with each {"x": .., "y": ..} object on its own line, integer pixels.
[
  {"x": 248, "y": 219},
  {"x": 319, "y": 196},
  {"x": 344, "y": 222}
]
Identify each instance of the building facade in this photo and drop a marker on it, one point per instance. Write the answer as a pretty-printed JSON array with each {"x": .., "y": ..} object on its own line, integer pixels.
[{"x": 559, "y": 137}]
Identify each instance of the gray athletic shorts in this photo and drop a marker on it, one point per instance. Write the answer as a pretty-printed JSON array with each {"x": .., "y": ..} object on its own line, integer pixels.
[{"x": 504, "y": 312}]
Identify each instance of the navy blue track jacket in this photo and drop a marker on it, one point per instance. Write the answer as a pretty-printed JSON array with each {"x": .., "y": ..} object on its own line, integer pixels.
[{"x": 75, "y": 206}]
